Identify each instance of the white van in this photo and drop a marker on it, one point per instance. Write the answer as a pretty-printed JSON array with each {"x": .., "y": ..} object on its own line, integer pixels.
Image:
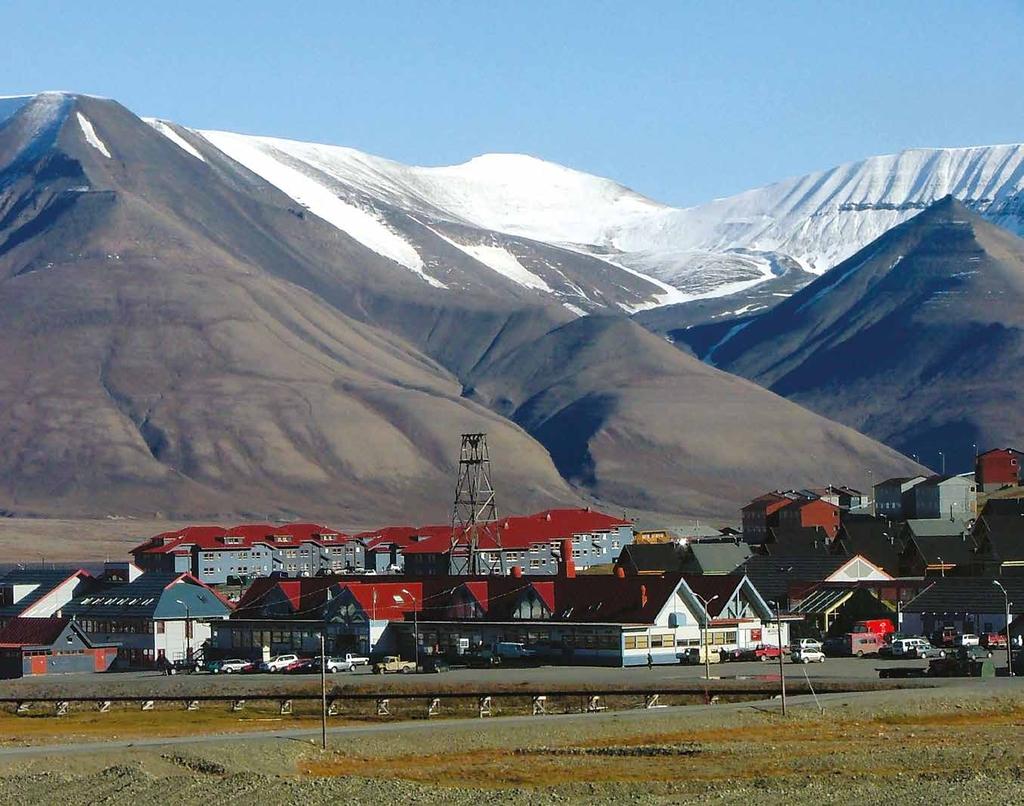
[{"x": 912, "y": 648}]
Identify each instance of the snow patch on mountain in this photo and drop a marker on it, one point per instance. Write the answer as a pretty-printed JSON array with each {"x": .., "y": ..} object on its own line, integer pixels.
[
  {"x": 363, "y": 225},
  {"x": 500, "y": 260},
  {"x": 167, "y": 131},
  {"x": 90, "y": 135}
]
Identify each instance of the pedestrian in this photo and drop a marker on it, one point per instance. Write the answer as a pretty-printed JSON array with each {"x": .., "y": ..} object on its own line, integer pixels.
[{"x": 650, "y": 661}]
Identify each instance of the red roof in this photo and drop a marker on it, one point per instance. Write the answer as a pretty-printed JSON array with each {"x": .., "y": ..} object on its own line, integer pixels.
[
  {"x": 522, "y": 531},
  {"x": 214, "y": 538},
  {"x": 388, "y": 600},
  {"x": 21, "y": 632}
]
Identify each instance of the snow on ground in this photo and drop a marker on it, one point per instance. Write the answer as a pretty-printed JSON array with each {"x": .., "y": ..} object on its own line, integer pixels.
[
  {"x": 90, "y": 135},
  {"x": 359, "y": 223},
  {"x": 498, "y": 259},
  {"x": 167, "y": 131},
  {"x": 573, "y": 309}
]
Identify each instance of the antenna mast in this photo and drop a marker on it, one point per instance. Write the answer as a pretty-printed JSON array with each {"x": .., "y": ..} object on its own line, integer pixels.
[{"x": 474, "y": 509}]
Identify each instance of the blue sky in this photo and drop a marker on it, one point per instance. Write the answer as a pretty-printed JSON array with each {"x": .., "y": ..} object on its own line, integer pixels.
[{"x": 681, "y": 101}]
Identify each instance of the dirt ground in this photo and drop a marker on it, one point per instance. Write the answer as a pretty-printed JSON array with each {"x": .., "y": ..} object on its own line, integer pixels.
[
  {"x": 952, "y": 745},
  {"x": 47, "y": 540}
]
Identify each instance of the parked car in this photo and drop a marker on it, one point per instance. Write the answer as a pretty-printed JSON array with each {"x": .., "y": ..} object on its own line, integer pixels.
[
  {"x": 805, "y": 643},
  {"x": 971, "y": 652},
  {"x": 967, "y": 639},
  {"x": 915, "y": 648},
  {"x": 434, "y": 664},
  {"x": 860, "y": 644},
  {"x": 482, "y": 659},
  {"x": 994, "y": 640},
  {"x": 808, "y": 654},
  {"x": 835, "y": 647},
  {"x": 761, "y": 652},
  {"x": 694, "y": 655},
  {"x": 392, "y": 664},
  {"x": 278, "y": 663},
  {"x": 230, "y": 666},
  {"x": 300, "y": 666},
  {"x": 944, "y": 636},
  {"x": 355, "y": 660},
  {"x": 334, "y": 665},
  {"x": 181, "y": 666}
]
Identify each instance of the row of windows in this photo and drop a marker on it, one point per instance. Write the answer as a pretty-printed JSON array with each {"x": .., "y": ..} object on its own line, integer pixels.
[{"x": 121, "y": 626}]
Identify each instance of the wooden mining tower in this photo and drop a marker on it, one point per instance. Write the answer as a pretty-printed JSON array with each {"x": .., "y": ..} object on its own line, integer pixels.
[{"x": 474, "y": 509}]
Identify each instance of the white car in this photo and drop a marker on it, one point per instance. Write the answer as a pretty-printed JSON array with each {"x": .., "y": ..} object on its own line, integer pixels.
[
  {"x": 805, "y": 643},
  {"x": 232, "y": 666},
  {"x": 807, "y": 654},
  {"x": 968, "y": 639},
  {"x": 278, "y": 663}
]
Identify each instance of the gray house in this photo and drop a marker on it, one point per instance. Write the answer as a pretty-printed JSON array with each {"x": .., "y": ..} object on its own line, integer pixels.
[
  {"x": 894, "y": 498},
  {"x": 953, "y": 497}
]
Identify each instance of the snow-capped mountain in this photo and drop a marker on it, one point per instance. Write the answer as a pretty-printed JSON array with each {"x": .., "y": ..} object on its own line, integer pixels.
[
  {"x": 207, "y": 325},
  {"x": 713, "y": 250}
]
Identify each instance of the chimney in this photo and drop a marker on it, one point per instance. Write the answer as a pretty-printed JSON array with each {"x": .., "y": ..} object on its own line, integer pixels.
[
  {"x": 516, "y": 571},
  {"x": 566, "y": 564},
  {"x": 620, "y": 572}
]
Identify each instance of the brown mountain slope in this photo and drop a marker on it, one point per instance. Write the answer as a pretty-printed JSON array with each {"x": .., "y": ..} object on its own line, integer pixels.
[
  {"x": 179, "y": 337},
  {"x": 638, "y": 422},
  {"x": 917, "y": 340}
]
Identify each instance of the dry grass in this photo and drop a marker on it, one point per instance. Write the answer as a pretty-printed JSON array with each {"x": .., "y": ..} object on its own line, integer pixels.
[{"x": 883, "y": 746}]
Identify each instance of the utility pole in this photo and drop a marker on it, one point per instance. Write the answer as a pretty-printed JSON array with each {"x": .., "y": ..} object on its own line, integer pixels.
[
  {"x": 782, "y": 668},
  {"x": 188, "y": 630},
  {"x": 1009, "y": 645},
  {"x": 707, "y": 620},
  {"x": 943, "y": 457},
  {"x": 323, "y": 689},
  {"x": 415, "y": 628},
  {"x": 474, "y": 507}
]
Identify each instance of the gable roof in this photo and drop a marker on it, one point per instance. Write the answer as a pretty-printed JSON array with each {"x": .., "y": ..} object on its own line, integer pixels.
[
  {"x": 46, "y": 581},
  {"x": 975, "y": 595},
  {"x": 773, "y": 576},
  {"x": 938, "y": 527},
  {"x": 639, "y": 558},
  {"x": 214, "y": 538},
  {"x": 948, "y": 551},
  {"x": 1005, "y": 536},
  {"x": 876, "y": 539},
  {"x": 797, "y": 541},
  {"x": 147, "y": 597},
  {"x": 20, "y": 632},
  {"x": 717, "y": 558}
]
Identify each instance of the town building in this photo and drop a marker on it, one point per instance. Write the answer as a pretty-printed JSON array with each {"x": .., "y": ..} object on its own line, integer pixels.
[
  {"x": 39, "y": 592},
  {"x": 702, "y": 558},
  {"x": 54, "y": 645},
  {"x": 530, "y": 543},
  {"x": 968, "y": 604},
  {"x": 763, "y": 512},
  {"x": 157, "y": 617},
  {"x": 563, "y": 618},
  {"x": 894, "y": 498},
  {"x": 808, "y": 513},
  {"x": 878, "y": 540},
  {"x": 936, "y": 547},
  {"x": 953, "y": 497},
  {"x": 998, "y": 468},
  {"x": 216, "y": 554},
  {"x": 999, "y": 542},
  {"x": 786, "y": 580}
]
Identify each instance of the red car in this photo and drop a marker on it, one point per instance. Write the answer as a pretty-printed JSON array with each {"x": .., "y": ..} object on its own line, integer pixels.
[
  {"x": 301, "y": 666},
  {"x": 761, "y": 652},
  {"x": 993, "y": 640}
]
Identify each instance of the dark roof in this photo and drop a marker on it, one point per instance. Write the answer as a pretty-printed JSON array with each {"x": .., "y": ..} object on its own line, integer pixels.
[
  {"x": 1006, "y": 536},
  {"x": 797, "y": 541},
  {"x": 1003, "y": 506},
  {"x": 875, "y": 539},
  {"x": 46, "y": 579},
  {"x": 637, "y": 558},
  {"x": 951, "y": 550},
  {"x": 772, "y": 576},
  {"x": 968, "y": 595},
  {"x": 716, "y": 558},
  {"x": 32, "y": 631},
  {"x": 149, "y": 596}
]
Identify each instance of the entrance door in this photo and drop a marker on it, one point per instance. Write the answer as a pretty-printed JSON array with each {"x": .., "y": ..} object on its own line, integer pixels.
[{"x": 38, "y": 664}]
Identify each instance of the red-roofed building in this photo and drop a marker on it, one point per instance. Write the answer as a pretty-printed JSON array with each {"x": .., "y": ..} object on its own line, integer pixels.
[
  {"x": 55, "y": 645},
  {"x": 213, "y": 554},
  {"x": 596, "y": 619},
  {"x": 808, "y": 513},
  {"x": 763, "y": 512},
  {"x": 531, "y": 543}
]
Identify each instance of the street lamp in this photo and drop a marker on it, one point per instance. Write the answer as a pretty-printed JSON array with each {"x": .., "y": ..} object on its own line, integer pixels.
[
  {"x": 782, "y": 668},
  {"x": 415, "y": 628},
  {"x": 188, "y": 630},
  {"x": 1009, "y": 649},
  {"x": 707, "y": 619},
  {"x": 943, "y": 457}
]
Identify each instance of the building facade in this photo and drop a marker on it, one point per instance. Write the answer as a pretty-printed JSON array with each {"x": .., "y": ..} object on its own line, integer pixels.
[
  {"x": 998, "y": 468},
  {"x": 953, "y": 497},
  {"x": 894, "y": 498},
  {"x": 55, "y": 645}
]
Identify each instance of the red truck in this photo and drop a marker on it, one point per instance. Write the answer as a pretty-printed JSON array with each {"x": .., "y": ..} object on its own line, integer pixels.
[{"x": 878, "y": 626}]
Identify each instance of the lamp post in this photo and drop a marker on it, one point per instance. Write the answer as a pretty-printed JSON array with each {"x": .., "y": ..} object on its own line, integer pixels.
[
  {"x": 782, "y": 668},
  {"x": 942, "y": 567},
  {"x": 323, "y": 689},
  {"x": 1009, "y": 647},
  {"x": 188, "y": 630},
  {"x": 707, "y": 619},
  {"x": 415, "y": 629},
  {"x": 943, "y": 457}
]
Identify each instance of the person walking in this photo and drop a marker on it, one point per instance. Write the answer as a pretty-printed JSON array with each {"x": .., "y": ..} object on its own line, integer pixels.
[{"x": 650, "y": 661}]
